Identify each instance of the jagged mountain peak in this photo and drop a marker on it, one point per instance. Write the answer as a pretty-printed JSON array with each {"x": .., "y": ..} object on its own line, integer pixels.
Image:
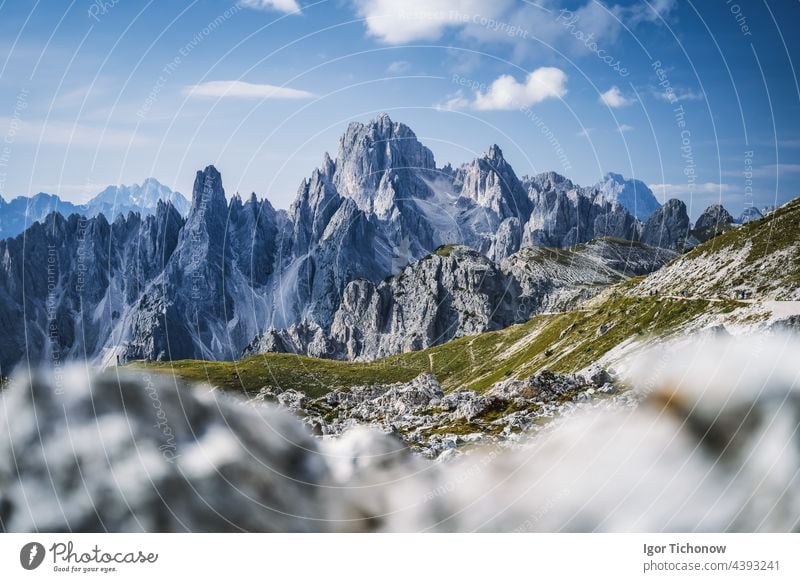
[
  {"x": 396, "y": 140},
  {"x": 375, "y": 159},
  {"x": 548, "y": 181},
  {"x": 207, "y": 188},
  {"x": 328, "y": 167},
  {"x": 668, "y": 227},
  {"x": 494, "y": 153}
]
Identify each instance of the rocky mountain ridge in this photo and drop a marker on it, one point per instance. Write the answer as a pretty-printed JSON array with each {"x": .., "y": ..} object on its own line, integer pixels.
[{"x": 240, "y": 267}]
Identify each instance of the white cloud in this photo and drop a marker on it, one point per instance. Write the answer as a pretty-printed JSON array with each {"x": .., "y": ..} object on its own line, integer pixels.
[
  {"x": 614, "y": 98},
  {"x": 286, "y": 6},
  {"x": 585, "y": 132},
  {"x": 666, "y": 191},
  {"x": 506, "y": 93},
  {"x": 625, "y": 128},
  {"x": 402, "y": 21},
  {"x": 242, "y": 90}
]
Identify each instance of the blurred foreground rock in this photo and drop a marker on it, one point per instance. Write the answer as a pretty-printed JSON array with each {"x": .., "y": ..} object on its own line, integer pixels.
[{"x": 713, "y": 447}]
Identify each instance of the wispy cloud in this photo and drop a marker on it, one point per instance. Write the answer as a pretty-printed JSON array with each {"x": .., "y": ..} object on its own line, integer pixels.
[
  {"x": 398, "y": 67},
  {"x": 506, "y": 93},
  {"x": 771, "y": 170},
  {"x": 615, "y": 98},
  {"x": 652, "y": 11},
  {"x": 625, "y": 128},
  {"x": 286, "y": 6},
  {"x": 678, "y": 94},
  {"x": 242, "y": 90},
  {"x": 86, "y": 94}
]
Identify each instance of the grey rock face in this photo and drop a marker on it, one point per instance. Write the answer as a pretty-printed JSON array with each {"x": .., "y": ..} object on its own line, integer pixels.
[
  {"x": 712, "y": 222},
  {"x": 565, "y": 215},
  {"x": 491, "y": 183},
  {"x": 457, "y": 292},
  {"x": 204, "y": 304},
  {"x": 66, "y": 283},
  {"x": 452, "y": 293},
  {"x": 374, "y": 157},
  {"x": 667, "y": 227},
  {"x": 300, "y": 338}
]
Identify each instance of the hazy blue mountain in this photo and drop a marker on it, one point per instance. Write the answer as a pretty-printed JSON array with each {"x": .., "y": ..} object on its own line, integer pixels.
[{"x": 21, "y": 212}]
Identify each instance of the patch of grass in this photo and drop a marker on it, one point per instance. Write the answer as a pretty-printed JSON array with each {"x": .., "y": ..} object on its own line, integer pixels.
[
  {"x": 313, "y": 376},
  {"x": 445, "y": 250}
]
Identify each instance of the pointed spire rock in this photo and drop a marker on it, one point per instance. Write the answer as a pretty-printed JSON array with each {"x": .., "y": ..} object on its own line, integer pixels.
[
  {"x": 495, "y": 153},
  {"x": 208, "y": 192},
  {"x": 328, "y": 166}
]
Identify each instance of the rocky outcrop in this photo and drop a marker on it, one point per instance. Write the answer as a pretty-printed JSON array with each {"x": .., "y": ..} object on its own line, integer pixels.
[
  {"x": 457, "y": 292},
  {"x": 712, "y": 222},
  {"x": 667, "y": 227},
  {"x": 67, "y": 283},
  {"x": 432, "y": 423},
  {"x": 454, "y": 292},
  {"x": 565, "y": 215},
  {"x": 756, "y": 261}
]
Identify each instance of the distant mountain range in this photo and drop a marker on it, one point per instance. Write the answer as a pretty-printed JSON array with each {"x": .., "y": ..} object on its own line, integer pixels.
[
  {"x": 232, "y": 274},
  {"x": 19, "y": 213}
]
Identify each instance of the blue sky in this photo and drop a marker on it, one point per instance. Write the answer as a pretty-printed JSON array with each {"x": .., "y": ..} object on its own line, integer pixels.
[{"x": 700, "y": 99}]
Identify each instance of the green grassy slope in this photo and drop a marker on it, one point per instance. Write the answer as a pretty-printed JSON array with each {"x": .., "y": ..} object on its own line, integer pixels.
[{"x": 565, "y": 342}]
